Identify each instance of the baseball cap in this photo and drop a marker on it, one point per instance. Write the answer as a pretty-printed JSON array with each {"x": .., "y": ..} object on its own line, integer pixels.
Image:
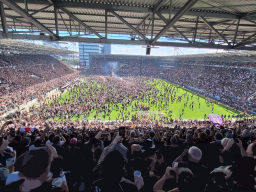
[
  {"x": 189, "y": 136},
  {"x": 229, "y": 135},
  {"x": 25, "y": 141}
]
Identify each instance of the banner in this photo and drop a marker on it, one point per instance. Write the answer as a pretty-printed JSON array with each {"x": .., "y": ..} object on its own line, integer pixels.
[{"x": 215, "y": 118}]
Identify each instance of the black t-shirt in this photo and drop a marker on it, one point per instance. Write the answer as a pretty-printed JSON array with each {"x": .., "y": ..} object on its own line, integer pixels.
[
  {"x": 3, "y": 158},
  {"x": 46, "y": 186},
  {"x": 244, "y": 141},
  {"x": 97, "y": 186},
  {"x": 171, "y": 153},
  {"x": 21, "y": 150},
  {"x": 13, "y": 145},
  {"x": 200, "y": 172},
  {"x": 60, "y": 151}
]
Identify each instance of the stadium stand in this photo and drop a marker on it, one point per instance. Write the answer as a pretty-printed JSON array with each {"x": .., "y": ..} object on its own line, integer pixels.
[
  {"x": 231, "y": 86},
  {"x": 20, "y": 75},
  {"x": 40, "y": 154}
]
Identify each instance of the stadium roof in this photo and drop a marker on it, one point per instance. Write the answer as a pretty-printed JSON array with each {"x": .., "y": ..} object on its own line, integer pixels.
[
  {"x": 15, "y": 46},
  {"x": 217, "y": 24}
]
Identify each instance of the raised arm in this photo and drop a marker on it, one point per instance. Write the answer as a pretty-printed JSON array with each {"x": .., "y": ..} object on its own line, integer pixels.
[
  {"x": 180, "y": 158},
  {"x": 240, "y": 145},
  {"x": 109, "y": 148},
  {"x": 45, "y": 131},
  {"x": 3, "y": 126}
]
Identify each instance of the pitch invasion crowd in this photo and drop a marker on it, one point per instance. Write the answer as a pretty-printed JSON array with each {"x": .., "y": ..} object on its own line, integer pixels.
[
  {"x": 26, "y": 77},
  {"x": 87, "y": 99},
  {"x": 232, "y": 86}
]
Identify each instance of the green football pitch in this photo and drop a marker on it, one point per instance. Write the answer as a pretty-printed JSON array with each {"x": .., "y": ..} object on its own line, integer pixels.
[{"x": 198, "y": 112}]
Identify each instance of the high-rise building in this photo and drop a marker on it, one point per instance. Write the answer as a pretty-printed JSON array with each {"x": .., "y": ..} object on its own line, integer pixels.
[
  {"x": 92, "y": 48},
  {"x": 107, "y": 48}
]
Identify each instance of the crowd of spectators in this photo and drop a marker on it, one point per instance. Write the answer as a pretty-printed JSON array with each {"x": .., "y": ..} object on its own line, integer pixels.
[
  {"x": 26, "y": 59},
  {"x": 232, "y": 86},
  {"x": 144, "y": 156},
  {"x": 38, "y": 154},
  {"x": 147, "y": 156},
  {"x": 224, "y": 63},
  {"x": 129, "y": 67},
  {"x": 25, "y": 77}
]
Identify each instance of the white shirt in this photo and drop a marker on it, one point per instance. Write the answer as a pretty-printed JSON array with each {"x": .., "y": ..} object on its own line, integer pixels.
[{"x": 50, "y": 143}]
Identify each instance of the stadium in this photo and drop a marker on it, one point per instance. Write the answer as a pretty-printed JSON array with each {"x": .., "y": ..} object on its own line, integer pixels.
[{"x": 127, "y": 95}]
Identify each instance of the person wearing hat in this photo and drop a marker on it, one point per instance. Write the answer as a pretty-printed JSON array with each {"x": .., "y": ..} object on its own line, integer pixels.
[
  {"x": 200, "y": 172},
  {"x": 229, "y": 135},
  {"x": 23, "y": 146},
  {"x": 189, "y": 139},
  {"x": 74, "y": 157}
]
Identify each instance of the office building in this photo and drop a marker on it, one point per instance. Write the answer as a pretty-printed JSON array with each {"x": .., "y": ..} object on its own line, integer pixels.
[{"x": 92, "y": 48}]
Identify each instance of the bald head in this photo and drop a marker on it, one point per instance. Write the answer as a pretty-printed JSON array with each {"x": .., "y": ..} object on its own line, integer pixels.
[
  {"x": 195, "y": 154},
  {"x": 224, "y": 142}
]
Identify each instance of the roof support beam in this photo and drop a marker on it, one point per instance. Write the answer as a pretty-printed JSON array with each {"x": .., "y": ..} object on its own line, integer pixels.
[
  {"x": 194, "y": 40},
  {"x": 14, "y": 25},
  {"x": 143, "y": 20},
  {"x": 119, "y": 41},
  {"x": 26, "y": 5},
  {"x": 38, "y": 11},
  {"x": 80, "y": 22},
  {"x": 152, "y": 26},
  {"x": 25, "y": 31},
  {"x": 159, "y": 5},
  {"x": 170, "y": 10},
  {"x": 3, "y": 19},
  {"x": 56, "y": 20},
  {"x": 211, "y": 27},
  {"x": 165, "y": 20},
  {"x": 177, "y": 16},
  {"x": 129, "y": 25},
  {"x": 130, "y": 8},
  {"x": 156, "y": 8},
  {"x": 64, "y": 23},
  {"x": 21, "y": 12},
  {"x": 106, "y": 24},
  {"x": 246, "y": 41},
  {"x": 237, "y": 26}
]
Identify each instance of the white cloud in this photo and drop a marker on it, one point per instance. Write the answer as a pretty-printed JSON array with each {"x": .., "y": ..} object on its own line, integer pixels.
[{"x": 161, "y": 51}]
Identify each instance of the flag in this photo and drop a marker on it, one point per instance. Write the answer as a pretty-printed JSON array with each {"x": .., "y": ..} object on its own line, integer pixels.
[
  {"x": 22, "y": 130},
  {"x": 215, "y": 118}
]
